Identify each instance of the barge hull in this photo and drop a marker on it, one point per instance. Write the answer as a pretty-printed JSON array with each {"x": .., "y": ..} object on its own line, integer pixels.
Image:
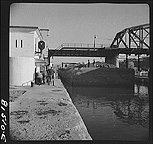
[{"x": 98, "y": 77}]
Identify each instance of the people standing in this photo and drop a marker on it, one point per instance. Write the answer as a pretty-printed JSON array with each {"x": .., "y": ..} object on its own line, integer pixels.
[
  {"x": 53, "y": 76},
  {"x": 39, "y": 78},
  {"x": 88, "y": 63},
  {"x": 43, "y": 71},
  {"x": 43, "y": 76},
  {"x": 93, "y": 62},
  {"x": 50, "y": 73},
  {"x": 36, "y": 74}
]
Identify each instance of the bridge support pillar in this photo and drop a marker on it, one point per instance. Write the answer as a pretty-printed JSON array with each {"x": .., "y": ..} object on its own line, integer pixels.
[
  {"x": 126, "y": 60},
  {"x": 138, "y": 62},
  {"x": 112, "y": 60}
]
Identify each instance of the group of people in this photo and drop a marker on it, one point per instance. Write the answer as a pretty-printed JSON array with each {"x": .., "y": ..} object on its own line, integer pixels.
[
  {"x": 88, "y": 64},
  {"x": 45, "y": 76}
]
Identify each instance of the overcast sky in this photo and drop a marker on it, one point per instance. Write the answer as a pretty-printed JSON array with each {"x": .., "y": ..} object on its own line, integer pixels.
[{"x": 78, "y": 23}]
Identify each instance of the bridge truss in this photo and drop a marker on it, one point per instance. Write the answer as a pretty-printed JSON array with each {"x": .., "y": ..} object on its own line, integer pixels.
[
  {"x": 134, "y": 37},
  {"x": 134, "y": 40}
]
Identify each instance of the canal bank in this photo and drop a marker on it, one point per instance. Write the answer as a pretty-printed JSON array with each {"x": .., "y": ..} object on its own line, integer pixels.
[{"x": 45, "y": 112}]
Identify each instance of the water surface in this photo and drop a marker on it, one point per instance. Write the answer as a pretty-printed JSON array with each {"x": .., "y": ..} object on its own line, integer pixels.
[{"x": 113, "y": 113}]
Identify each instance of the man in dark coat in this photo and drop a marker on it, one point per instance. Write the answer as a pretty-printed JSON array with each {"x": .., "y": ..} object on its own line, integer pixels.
[{"x": 50, "y": 73}]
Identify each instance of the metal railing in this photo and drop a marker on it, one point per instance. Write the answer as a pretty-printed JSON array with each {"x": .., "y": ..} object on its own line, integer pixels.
[{"x": 81, "y": 45}]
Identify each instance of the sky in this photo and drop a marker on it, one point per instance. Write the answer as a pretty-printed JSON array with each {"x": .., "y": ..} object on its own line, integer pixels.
[{"x": 78, "y": 23}]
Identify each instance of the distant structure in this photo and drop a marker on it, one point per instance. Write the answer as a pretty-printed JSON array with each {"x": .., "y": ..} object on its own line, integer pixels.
[{"x": 25, "y": 54}]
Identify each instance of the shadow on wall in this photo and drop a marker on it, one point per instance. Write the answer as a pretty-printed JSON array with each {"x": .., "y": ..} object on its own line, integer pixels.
[{"x": 21, "y": 70}]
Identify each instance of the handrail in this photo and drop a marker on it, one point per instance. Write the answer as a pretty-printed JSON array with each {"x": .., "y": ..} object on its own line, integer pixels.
[{"x": 82, "y": 45}]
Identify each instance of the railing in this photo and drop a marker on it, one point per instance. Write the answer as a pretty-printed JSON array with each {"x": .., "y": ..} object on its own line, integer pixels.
[{"x": 82, "y": 45}]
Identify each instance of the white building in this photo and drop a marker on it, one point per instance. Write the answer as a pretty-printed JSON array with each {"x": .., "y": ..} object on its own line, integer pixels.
[{"x": 23, "y": 43}]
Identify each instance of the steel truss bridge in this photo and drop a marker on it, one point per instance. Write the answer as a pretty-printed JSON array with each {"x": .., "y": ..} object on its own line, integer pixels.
[{"x": 133, "y": 40}]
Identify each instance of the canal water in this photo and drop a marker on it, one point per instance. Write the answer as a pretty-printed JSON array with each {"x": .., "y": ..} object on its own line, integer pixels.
[{"x": 113, "y": 113}]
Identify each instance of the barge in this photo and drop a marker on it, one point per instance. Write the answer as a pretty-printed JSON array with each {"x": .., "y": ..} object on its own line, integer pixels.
[{"x": 96, "y": 76}]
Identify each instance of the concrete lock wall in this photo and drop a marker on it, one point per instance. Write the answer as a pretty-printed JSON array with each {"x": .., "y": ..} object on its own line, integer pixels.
[{"x": 21, "y": 70}]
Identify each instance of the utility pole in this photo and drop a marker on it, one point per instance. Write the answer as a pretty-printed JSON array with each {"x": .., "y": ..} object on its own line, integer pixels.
[{"x": 94, "y": 41}]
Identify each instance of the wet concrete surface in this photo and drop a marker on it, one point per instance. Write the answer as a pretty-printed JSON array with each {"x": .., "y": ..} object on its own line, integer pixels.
[{"x": 45, "y": 112}]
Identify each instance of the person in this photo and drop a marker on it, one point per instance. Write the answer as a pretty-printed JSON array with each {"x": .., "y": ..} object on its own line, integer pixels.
[
  {"x": 43, "y": 76},
  {"x": 43, "y": 72},
  {"x": 36, "y": 74},
  {"x": 53, "y": 75},
  {"x": 50, "y": 73},
  {"x": 88, "y": 63},
  {"x": 39, "y": 78},
  {"x": 93, "y": 62}
]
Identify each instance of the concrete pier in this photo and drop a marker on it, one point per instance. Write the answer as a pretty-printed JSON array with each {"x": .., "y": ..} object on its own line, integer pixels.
[{"x": 45, "y": 112}]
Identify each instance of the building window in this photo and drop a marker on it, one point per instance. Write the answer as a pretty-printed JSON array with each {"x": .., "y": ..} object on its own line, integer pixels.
[
  {"x": 21, "y": 44},
  {"x": 16, "y": 43}
]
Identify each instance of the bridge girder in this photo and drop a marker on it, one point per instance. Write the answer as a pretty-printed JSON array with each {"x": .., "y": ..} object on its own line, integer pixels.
[{"x": 97, "y": 53}]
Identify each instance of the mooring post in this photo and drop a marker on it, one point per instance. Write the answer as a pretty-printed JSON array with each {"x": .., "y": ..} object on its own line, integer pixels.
[
  {"x": 53, "y": 82},
  {"x": 32, "y": 83}
]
